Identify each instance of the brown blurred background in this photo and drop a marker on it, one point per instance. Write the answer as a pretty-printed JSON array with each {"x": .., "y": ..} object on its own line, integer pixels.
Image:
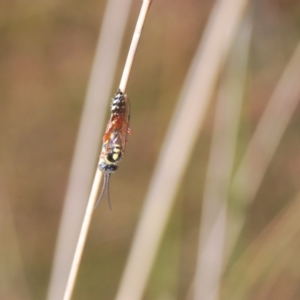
[{"x": 46, "y": 54}]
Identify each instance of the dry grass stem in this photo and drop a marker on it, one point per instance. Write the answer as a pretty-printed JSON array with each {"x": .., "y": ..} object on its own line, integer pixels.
[
  {"x": 90, "y": 129},
  {"x": 98, "y": 176},
  {"x": 182, "y": 134},
  {"x": 134, "y": 44},
  {"x": 82, "y": 236}
]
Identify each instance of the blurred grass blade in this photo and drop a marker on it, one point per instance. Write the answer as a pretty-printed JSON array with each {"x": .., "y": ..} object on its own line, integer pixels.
[
  {"x": 87, "y": 144},
  {"x": 263, "y": 144},
  {"x": 178, "y": 145},
  {"x": 266, "y": 256},
  {"x": 275, "y": 272},
  {"x": 220, "y": 164},
  {"x": 13, "y": 283}
]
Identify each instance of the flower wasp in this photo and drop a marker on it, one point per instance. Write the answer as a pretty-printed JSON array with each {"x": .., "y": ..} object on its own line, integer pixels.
[{"x": 114, "y": 139}]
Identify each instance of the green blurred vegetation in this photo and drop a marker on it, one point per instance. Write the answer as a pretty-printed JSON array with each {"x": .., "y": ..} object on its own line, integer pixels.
[{"x": 46, "y": 53}]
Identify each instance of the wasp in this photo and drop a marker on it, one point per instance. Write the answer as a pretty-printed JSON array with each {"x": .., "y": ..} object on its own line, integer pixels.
[{"x": 114, "y": 139}]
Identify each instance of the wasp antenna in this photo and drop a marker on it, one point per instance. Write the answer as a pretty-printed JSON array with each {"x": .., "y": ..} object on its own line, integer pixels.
[
  {"x": 102, "y": 191},
  {"x": 107, "y": 190}
]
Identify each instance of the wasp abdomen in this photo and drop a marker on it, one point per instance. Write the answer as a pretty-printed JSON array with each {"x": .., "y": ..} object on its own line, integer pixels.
[{"x": 118, "y": 105}]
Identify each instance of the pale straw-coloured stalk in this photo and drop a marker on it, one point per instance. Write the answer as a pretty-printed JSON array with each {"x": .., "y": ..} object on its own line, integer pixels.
[
  {"x": 263, "y": 144},
  {"x": 178, "y": 145},
  {"x": 134, "y": 44},
  {"x": 98, "y": 176},
  {"x": 214, "y": 205},
  {"x": 82, "y": 236},
  {"x": 87, "y": 144}
]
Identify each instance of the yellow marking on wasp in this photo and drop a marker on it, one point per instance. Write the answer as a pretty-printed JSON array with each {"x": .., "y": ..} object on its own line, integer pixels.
[
  {"x": 109, "y": 162},
  {"x": 115, "y": 156}
]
